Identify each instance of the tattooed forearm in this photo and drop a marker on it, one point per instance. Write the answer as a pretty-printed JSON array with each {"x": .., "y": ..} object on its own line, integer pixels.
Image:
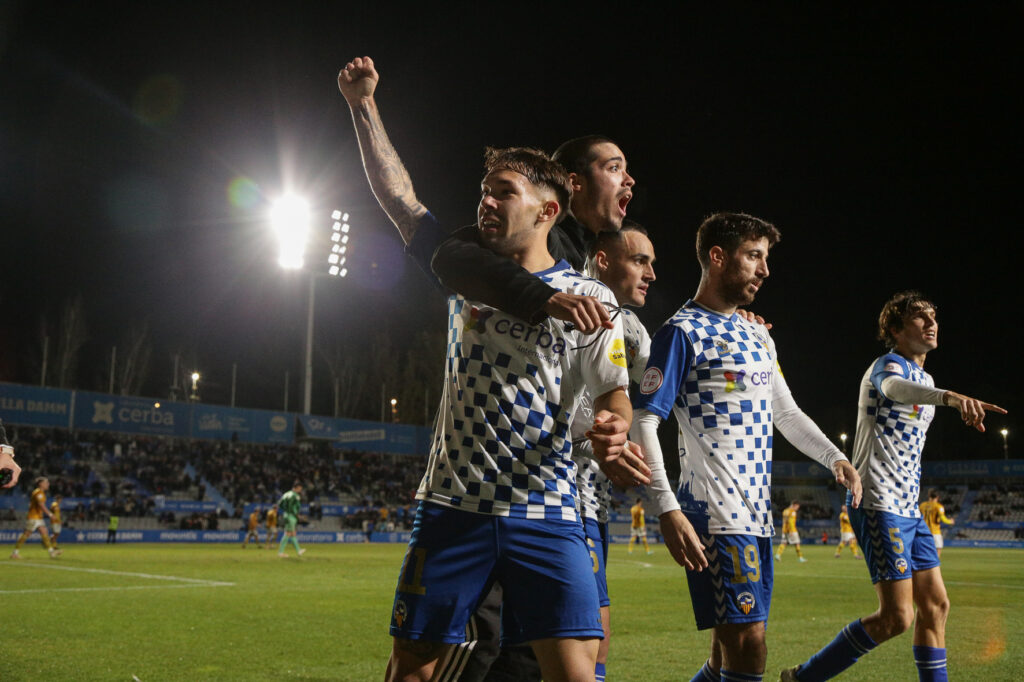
[{"x": 388, "y": 178}]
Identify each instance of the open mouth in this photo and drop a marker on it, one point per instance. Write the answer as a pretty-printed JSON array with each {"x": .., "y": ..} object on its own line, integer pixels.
[{"x": 623, "y": 200}]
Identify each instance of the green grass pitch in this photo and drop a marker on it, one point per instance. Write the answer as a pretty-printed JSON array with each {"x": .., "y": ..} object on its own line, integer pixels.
[{"x": 193, "y": 612}]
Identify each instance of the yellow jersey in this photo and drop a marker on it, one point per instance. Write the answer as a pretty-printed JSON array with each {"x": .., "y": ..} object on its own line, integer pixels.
[
  {"x": 55, "y": 510},
  {"x": 36, "y": 504},
  {"x": 271, "y": 518},
  {"x": 934, "y": 516},
  {"x": 789, "y": 520},
  {"x": 254, "y": 520},
  {"x": 844, "y": 523},
  {"x": 637, "y": 512}
]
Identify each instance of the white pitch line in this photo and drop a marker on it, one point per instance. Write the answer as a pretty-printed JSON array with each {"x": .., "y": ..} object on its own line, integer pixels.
[
  {"x": 109, "y": 589},
  {"x": 149, "y": 576},
  {"x": 640, "y": 563}
]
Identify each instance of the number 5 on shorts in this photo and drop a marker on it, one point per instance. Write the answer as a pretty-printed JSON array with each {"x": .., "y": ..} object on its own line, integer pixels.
[{"x": 897, "y": 541}]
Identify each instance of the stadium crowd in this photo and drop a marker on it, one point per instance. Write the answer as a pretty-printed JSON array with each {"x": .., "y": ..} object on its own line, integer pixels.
[{"x": 125, "y": 475}]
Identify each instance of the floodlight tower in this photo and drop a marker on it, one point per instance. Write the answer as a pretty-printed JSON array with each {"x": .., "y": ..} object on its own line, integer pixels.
[{"x": 290, "y": 217}]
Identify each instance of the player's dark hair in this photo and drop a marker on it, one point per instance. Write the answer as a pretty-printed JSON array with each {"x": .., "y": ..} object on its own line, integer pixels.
[
  {"x": 728, "y": 231},
  {"x": 297, "y": 484},
  {"x": 933, "y": 493},
  {"x": 537, "y": 167},
  {"x": 895, "y": 312},
  {"x": 577, "y": 154},
  {"x": 609, "y": 240},
  {"x": 40, "y": 479}
]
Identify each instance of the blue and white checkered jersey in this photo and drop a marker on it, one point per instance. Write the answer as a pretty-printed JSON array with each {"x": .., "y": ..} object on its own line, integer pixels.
[
  {"x": 890, "y": 438},
  {"x": 501, "y": 443},
  {"x": 719, "y": 375},
  {"x": 594, "y": 487}
]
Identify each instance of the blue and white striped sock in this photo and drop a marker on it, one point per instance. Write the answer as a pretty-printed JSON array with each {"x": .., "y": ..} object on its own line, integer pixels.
[
  {"x": 706, "y": 674},
  {"x": 931, "y": 664},
  {"x": 599, "y": 672},
  {"x": 851, "y": 643},
  {"x": 729, "y": 676}
]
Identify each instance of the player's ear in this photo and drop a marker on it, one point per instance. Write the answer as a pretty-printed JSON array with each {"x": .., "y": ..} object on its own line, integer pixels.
[
  {"x": 549, "y": 210},
  {"x": 717, "y": 256},
  {"x": 576, "y": 182},
  {"x": 601, "y": 261}
]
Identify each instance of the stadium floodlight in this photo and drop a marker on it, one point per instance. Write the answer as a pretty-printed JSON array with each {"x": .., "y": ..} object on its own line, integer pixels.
[
  {"x": 842, "y": 437},
  {"x": 289, "y": 216},
  {"x": 194, "y": 396},
  {"x": 1006, "y": 446}
]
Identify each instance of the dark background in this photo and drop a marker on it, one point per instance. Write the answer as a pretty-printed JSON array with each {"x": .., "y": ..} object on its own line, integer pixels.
[{"x": 884, "y": 143}]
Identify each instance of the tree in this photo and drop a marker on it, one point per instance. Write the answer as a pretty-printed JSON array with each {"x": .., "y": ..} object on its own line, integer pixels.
[
  {"x": 135, "y": 366},
  {"x": 71, "y": 336}
]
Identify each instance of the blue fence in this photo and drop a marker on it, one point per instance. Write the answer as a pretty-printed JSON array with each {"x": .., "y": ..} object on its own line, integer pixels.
[{"x": 53, "y": 407}]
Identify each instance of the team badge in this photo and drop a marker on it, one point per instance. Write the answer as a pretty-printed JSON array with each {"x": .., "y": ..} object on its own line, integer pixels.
[
  {"x": 401, "y": 611},
  {"x": 760, "y": 337},
  {"x": 651, "y": 380},
  {"x": 745, "y": 602},
  {"x": 894, "y": 367},
  {"x": 901, "y": 565}
]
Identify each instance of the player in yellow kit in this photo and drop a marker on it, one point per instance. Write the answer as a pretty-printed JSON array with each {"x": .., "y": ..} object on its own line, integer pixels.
[
  {"x": 254, "y": 529},
  {"x": 638, "y": 528},
  {"x": 55, "y": 524},
  {"x": 789, "y": 534},
  {"x": 846, "y": 536},
  {"x": 34, "y": 521},
  {"x": 271, "y": 525},
  {"x": 934, "y": 516}
]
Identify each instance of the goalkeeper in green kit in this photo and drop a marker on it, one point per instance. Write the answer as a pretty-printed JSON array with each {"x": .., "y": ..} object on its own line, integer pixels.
[{"x": 289, "y": 505}]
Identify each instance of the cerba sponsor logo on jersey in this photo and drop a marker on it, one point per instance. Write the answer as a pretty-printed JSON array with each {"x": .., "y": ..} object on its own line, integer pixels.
[
  {"x": 480, "y": 321},
  {"x": 737, "y": 380}
]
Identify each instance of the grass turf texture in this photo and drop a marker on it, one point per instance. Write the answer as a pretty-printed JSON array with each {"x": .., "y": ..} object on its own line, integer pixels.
[{"x": 325, "y": 616}]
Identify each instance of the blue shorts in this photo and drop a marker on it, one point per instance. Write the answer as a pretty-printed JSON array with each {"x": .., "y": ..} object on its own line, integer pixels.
[
  {"x": 597, "y": 543},
  {"x": 736, "y": 587},
  {"x": 455, "y": 556},
  {"x": 894, "y": 546}
]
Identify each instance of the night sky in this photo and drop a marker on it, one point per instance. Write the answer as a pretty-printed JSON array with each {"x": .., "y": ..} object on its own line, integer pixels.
[{"x": 140, "y": 144}]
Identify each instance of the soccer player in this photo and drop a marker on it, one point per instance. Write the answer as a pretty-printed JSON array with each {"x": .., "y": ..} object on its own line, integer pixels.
[
  {"x": 55, "y": 524},
  {"x": 624, "y": 261},
  {"x": 638, "y": 526},
  {"x": 896, "y": 406},
  {"x": 790, "y": 535},
  {"x": 253, "y": 530},
  {"x": 271, "y": 525},
  {"x": 499, "y": 213},
  {"x": 290, "y": 504},
  {"x": 846, "y": 536},
  {"x": 34, "y": 520},
  {"x": 934, "y": 515},
  {"x": 720, "y": 375}
]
